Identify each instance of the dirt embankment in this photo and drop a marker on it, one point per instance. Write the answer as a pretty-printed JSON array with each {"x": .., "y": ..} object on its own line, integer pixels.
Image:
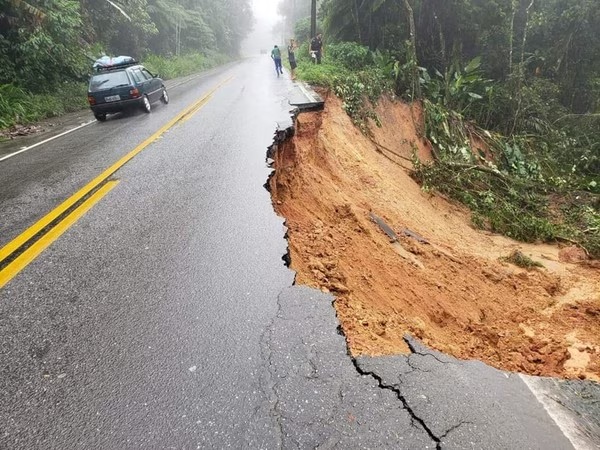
[{"x": 453, "y": 291}]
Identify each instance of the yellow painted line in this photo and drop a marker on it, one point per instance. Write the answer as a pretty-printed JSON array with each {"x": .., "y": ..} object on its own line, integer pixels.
[
  {"x": 55, "y": 213},
  {"x": 10, "y": 271},
  {"x": 194, "y": 110}
]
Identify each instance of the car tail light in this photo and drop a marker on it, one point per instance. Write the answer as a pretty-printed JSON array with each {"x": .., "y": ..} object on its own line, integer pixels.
[
  {"x": 134, "y": 92},
  {"x": 91, "y": 100}
]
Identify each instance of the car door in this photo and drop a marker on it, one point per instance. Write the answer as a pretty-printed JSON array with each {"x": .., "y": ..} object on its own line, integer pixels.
[
  {"x": 142, "y": 82},
  {"x": 139, "y": 80},
  {"x": 154, "y": 85}
]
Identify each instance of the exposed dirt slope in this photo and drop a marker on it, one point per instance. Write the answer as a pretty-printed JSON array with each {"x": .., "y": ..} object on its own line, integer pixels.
[{"x": 453, "y": 293}]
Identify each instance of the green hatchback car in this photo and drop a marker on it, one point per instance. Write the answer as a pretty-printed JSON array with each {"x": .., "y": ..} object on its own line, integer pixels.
[{"x": 117, "y": 87}]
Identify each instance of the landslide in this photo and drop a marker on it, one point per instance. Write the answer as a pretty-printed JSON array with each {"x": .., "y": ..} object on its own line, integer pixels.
[{"x": 455, "y": 292}]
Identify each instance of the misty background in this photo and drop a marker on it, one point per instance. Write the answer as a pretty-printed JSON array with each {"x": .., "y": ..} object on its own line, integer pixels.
[{"x": 268, "y": 29}]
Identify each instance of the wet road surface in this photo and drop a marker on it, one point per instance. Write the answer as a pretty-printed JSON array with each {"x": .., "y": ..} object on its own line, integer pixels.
[{"x": 165, "y": 317}]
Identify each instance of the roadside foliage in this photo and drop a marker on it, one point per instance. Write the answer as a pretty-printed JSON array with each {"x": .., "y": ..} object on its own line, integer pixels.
[
  {"x": 47, "y": 47},
  {"x": 519, "y": 77},
  {"x": 511, "y": 97}
]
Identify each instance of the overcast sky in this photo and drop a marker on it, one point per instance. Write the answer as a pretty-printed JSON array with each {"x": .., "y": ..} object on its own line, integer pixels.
[
  {"x": 265, "y": 9},
  {"x": 262, "y": 37}
]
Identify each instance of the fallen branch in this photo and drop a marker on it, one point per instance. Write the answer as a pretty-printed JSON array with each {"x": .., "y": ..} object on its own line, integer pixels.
[
  {"x": 479, "y": 168},
  {"x": 389, "y": 150},
  {"x": 571, "y": 241}
]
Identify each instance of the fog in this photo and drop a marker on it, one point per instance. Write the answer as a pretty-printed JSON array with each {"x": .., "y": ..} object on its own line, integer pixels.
[{"x": 263, "y": 37}]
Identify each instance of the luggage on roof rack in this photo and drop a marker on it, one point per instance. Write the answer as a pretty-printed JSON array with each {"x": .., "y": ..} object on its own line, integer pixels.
[{"x": 110, "y": 63}]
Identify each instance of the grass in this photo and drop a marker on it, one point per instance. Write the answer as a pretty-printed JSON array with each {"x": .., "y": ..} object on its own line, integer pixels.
[
  {"x": 319, "y": 74},
  {"x": 359, "y": 90},
  {"x": 18, "y": 106},
  {"x": 181, "y": 66},
  {"x": 525, "y": 210}
]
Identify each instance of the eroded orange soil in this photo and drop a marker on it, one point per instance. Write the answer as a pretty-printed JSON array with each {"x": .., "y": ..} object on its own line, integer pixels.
[{"x": 454, "y": 293}]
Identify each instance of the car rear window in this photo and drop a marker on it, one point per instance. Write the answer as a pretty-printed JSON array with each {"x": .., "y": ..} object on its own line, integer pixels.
[
  {"x": 108, "y": 80},
  {"x": 137, "y": 75}
]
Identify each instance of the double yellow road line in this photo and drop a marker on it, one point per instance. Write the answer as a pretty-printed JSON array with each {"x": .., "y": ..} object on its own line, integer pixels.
[{"x": 29, "y": 244}]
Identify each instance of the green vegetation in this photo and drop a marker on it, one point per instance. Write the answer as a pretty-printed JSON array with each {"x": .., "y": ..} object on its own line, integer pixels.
[
  {"x": 350, "y": 70},
  {"x": 180, "y": 66},
  {"x": 47, "y": 46},
  {"x": 511, "y": 96},
  {"x": 519, "y": 259},
  {"x": 20, "y": 106},
  {"x": 510, "y": 88}
]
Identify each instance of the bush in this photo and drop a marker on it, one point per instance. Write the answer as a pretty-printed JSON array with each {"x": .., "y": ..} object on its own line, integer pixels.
[
  {"x": 302, "y": 30},
  {"x": 15, "y": 105},
  {"x": 519, "y": 259},
  {"x": 19, "y": 106},
  {"x": 180, "y": 66},
  {"x": 350, "y": 55},
  {"x": 353, "y": 73},
  {"x": 510, "y": 195},
  {"x": 318, "y": 74}
]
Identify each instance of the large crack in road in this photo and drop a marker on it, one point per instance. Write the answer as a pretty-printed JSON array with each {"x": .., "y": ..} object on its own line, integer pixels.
[
  {"x": 405, "y": 404},
  {"x": 321, "y": 396}
]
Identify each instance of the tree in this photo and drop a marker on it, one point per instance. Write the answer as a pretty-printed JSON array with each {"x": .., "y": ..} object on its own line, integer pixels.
[
  {"x": 41, "y": 46},
  {"x": 372, "y": 23},
  {"x": 313, "y": 18},
  {"x": 297, "y": 16},
  {"x": 412, "y": 49},
  {"x": 109, "y": 23}
]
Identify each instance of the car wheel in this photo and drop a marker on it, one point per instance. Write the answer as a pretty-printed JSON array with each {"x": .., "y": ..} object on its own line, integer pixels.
[
  {"x": 146, "y": 106},
  {"x": 165, "y": 96},
  {"x": 100, "y": 117}
]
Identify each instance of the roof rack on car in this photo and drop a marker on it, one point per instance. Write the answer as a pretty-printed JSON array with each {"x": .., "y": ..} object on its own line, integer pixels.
[{"x": 107, "y": 63}]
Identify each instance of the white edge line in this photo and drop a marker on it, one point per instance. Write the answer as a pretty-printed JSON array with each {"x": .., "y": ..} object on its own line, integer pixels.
[
  {"x": 10, "y": 155},
  {"x": 559, "y": 415}
]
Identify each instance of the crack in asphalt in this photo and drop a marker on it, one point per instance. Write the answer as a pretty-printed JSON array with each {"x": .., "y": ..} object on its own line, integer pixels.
[
  {"x": 414, "y": 418},
  {"x": 413, "y": 415},
  {"x": 267, "y": 384},
  {"x": 454, "y": 428},
  {"x": 414, "y": 368},
  {"x": 415, "y": 351}
]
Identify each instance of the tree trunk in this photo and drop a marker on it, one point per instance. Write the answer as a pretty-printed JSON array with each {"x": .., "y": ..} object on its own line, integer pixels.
[
  {"x": 413, "y": 50},
  {"x": 442, "y": 39},
  {"x": 514, "y": 5},
  {"x": 521, "y": 77},
  {"x": 313, "y": 18},
  {"x": 525, "y": 29},
  {"x": 355, "y": 15}
]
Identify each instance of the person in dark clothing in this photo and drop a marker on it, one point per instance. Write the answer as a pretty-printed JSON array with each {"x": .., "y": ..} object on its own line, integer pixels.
[
  {"x": 316, "y": 48},
  {"x": 292, "y": 57},
  {"x": 276, "y": 56}
]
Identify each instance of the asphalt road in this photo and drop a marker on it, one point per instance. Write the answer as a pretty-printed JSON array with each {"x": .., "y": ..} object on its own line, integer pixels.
[{"x": 166, "y": 318}]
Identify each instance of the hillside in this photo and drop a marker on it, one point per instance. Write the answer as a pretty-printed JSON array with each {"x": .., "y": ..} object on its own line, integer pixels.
[{"x": 443, "y": 281}]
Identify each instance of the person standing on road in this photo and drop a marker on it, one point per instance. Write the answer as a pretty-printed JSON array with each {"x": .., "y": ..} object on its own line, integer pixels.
[
  {"x": 292, "y": 57},
  {"x": 316, "y": 48},
  {"x": 276, "y": 56}
]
